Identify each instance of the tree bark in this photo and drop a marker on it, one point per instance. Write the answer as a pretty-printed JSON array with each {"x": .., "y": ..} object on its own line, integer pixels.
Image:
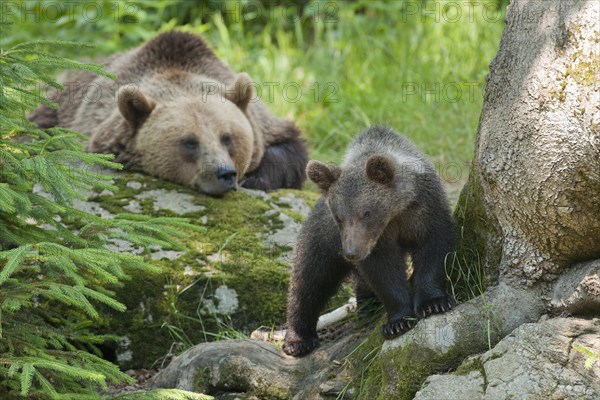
[{"x": 531, "y": 208}]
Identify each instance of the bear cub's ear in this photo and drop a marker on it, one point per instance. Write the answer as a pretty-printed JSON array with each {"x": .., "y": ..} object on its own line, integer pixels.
[
  {"x": 381, "y": 169},
  {"x": 322, "y": 174},
  {"x": 134, "y": 106},
  {"x": 241, "y": 91}
]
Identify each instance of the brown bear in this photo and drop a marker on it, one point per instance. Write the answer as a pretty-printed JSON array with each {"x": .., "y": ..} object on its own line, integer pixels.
[
  {"x": 178, "y": 112},
  {"x": 385, "y": 203}
]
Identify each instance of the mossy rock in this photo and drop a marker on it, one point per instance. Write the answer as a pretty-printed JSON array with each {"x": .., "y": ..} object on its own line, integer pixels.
[
  {"x": 232, "y": 278},
  {"x": 397, "y": 369}
]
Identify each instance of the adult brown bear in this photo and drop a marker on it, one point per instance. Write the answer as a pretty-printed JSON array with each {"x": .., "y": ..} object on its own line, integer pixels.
[{"x": 178, "y": 112}]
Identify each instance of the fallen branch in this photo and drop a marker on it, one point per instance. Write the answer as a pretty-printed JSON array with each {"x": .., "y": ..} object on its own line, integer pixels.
[{"x": 325, "y": 320}]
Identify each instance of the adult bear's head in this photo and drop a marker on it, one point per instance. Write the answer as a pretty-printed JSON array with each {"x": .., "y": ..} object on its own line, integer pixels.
[{"x": 200, "y": 137}]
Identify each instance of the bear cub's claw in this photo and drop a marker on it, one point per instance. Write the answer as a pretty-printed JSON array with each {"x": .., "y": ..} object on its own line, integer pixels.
[
  {"x": 300, "y": 348},
  {"x": 436, "y": 305},
  {"x": 396, "y": 328}
]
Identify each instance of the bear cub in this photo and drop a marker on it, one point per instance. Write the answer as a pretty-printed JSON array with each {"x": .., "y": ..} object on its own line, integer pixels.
[{"x": 384, "y": 203}]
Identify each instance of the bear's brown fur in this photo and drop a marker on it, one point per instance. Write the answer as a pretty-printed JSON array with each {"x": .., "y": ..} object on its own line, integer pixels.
[
  {"x": 384, "y": 204},
  {"x": 177, "y": 112}
]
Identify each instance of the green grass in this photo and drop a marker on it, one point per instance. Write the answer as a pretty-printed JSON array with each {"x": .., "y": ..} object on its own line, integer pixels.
[
  {"x": 379, "y": 64},
  {"x": 419, "y": 71}
]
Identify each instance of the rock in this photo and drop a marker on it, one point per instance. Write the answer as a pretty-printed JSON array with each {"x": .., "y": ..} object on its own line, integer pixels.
[
  {"x": 230, "y": 366},
  {"x": 337, "y": 389},
  {"x": 578, "y": 289},
  {"x": 88, "y": 206},
  {"x": 172, "y": 200},
  {"x": 536, "y": 361},
  {"x": 224, "y": 302},
  {"x": 251, "y": 369},
  {"x": 123, "y": 246},
  {"x": 91, "y": 207},
  {"x": 228, "y": 281},
  {"x": 134, "y": 185},
  {"x": 133, "y": 207},
  {"x": 471, "y": 325},
  {"x": 158, "y": 253},
  {"x": 286, "y": 236},
  {"x": 295, "y": 204},
  {"x": 166, "y": 254},
  {"x": 397, "y": 368},
  {"x": 452, "y": 387}
]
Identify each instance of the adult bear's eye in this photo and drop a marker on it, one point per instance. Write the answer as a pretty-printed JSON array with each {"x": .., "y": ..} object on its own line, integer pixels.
[
  {"x": 367, "y": 214},
  {"x": 226, "y": 140},
  {"x": 190, "y": 144}
]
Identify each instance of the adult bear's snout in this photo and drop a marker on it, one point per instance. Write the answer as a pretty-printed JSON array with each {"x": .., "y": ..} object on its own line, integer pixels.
[{"x": 227, "y": 176}]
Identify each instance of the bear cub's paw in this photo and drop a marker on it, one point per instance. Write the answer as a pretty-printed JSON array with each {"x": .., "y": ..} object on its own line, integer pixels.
[
  {"x": 398, "y": 327},
  {"x": 437, "y": 305},
  {"x": 300, "y": 348}
]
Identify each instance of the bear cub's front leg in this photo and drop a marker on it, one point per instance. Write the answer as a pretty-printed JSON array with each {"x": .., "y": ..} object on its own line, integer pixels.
[
  {"x": 384, "y": 272},
  {"x": 317, "y": 273}
]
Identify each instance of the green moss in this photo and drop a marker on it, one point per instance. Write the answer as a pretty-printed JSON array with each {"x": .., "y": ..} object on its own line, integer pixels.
[
  {"x": 473, "y": 364},
  {"x": 169, "y": 307},
  {"x": 201, "y": 382},
  {"x": 295, "y": 215},
  {"x": 262, "y": 291},
  {"x": 400, "y": 372},
  {"x": 309, "y": 197},
  {"x": 560, "y": 93},
  {"x": 156, "y": 312},
  {"x": 583, "y": 70},
  {"x": 267, "y": 391},
  {"x": 470, "y": 365},
  {"x": 397, "y": 374}
]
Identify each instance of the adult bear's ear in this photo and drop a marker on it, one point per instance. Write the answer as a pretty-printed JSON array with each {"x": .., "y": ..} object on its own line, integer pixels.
[
  {"x": 241, "y": 91},
  {"x": 322, "y": 174},
  {"x": 134, "y": 106},
  {"x": 381, "y": 169}
]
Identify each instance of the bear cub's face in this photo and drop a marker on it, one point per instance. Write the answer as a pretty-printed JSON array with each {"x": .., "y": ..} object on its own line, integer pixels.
[
  {"x": 203, "y": 142},
  {"x": 362, "y": 200}
]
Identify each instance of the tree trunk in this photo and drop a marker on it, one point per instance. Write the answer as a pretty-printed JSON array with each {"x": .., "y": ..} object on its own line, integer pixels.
[{"x": 531, "y": 207}]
